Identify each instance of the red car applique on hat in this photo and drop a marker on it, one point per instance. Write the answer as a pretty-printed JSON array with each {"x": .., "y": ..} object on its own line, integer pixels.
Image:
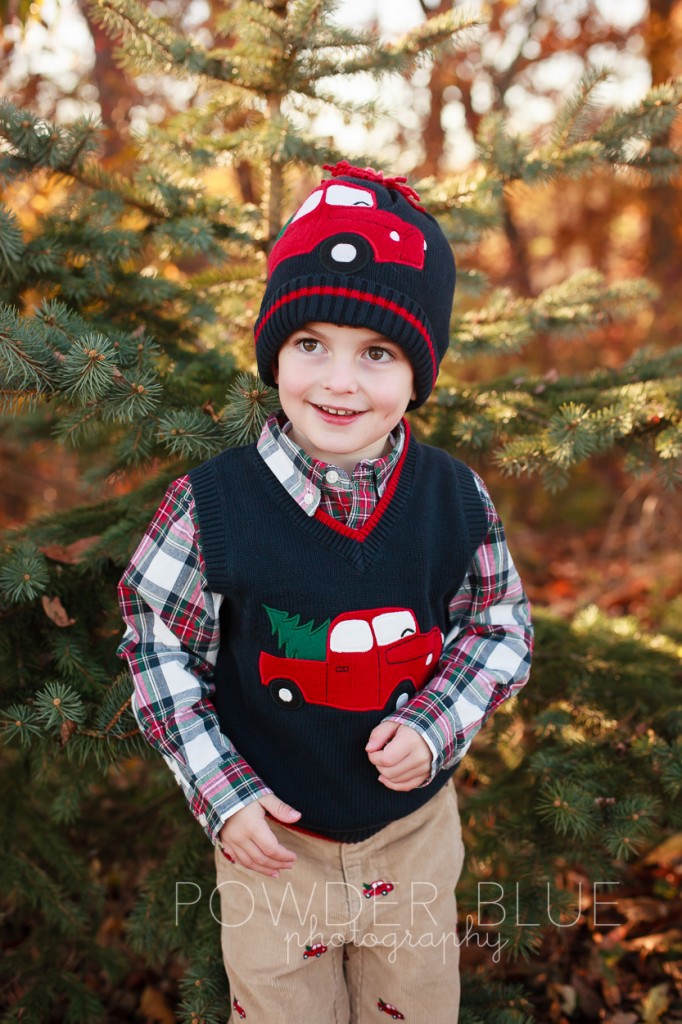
[
  {"x": 389, "y": 1009},
  {"x": 378, "y": 888},
  {"x": 346, "y": 236}
]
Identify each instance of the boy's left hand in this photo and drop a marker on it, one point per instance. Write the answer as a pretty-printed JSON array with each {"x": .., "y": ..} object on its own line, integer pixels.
[{"x": 401, "y": 755}]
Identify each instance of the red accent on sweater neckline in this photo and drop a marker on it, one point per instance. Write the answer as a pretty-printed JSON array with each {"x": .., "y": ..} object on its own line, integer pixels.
[{"x": 362, "y": 533}]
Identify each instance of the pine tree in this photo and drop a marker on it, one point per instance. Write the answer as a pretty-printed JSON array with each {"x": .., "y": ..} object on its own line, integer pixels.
[
  {"x": 125, "y": 334},
  {"x": 299, "y": 641}
]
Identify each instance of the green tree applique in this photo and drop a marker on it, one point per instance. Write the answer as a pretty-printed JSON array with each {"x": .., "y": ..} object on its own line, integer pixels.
[{"x": 306, "y": 641}]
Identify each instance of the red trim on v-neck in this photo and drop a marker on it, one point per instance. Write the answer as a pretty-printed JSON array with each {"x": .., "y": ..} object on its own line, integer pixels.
[{"x": 363, "y": 532}]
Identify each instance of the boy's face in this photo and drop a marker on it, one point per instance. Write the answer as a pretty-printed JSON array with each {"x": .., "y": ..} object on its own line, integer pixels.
[{"x": 344, "y": 390}]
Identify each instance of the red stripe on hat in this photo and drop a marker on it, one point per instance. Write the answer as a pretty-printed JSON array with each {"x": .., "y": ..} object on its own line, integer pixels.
[
  {"x": 364, "y": 531},
  {"x": 353, "y": 293}
]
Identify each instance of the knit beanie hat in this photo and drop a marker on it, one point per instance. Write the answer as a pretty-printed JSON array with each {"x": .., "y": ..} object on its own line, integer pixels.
[{"x": 361, "y": 252}]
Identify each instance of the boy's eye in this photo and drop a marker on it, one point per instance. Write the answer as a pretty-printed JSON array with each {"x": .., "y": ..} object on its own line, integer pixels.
[
  {"x": 307, "y": 344},
  {"x": 377, "y": 354}
]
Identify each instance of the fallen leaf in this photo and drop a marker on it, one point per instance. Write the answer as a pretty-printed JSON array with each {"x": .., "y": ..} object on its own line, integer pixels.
[
  {"x": 657, "y": 942},
  {"x": 667, "y": 852},
  {"x": 54, "y": 609},
  {"x": 655, "y": 1003},
  {"x": 588, "y": 1000},
  {"x": 154, "y": 1006},
  {"x": 69, "y": 554},
  {"x": 641, "y": 909},
  {"x": 568, "y": 997}
]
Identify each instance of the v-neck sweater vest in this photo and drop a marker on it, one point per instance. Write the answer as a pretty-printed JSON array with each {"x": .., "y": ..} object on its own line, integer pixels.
[{"x": 324, "y": 630}]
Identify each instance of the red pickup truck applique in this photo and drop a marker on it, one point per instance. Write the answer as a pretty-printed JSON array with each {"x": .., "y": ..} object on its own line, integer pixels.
[
  {"x": 378, "y": 888},
  {"x": 389, "y": 1009},
  {"x": 317, "y": 949},
  {"x": 344, "y": 239},
  {"x": 375, "y": 659}
]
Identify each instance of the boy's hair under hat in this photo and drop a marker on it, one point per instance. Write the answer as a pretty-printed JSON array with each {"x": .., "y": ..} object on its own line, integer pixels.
[{"x": 361, "y": 252}]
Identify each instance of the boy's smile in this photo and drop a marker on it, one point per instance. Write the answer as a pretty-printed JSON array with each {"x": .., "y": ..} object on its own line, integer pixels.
[{"x": 344, "y": 390}]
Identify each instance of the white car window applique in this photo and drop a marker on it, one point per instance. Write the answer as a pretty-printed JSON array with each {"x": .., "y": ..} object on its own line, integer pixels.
[
  {"x": 351, "y": 636},
  {"x": 309, "y": 205},
  {"x": 392, "y": 626},
  {"x": 345, "y": 195}
]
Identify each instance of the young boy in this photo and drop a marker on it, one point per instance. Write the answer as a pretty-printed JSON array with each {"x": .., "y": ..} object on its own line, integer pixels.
[{"x": 319, "y": 624}]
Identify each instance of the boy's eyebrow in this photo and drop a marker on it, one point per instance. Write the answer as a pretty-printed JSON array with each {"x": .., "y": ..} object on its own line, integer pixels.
[
  {"x": 379, "y": 339},
  {"x": 308, "y": 330}
]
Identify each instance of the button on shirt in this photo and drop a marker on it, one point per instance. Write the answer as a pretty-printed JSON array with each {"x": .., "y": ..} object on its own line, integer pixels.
[
  {"x": 173, "y": 631},
  {"x": 351, "y": 498}
]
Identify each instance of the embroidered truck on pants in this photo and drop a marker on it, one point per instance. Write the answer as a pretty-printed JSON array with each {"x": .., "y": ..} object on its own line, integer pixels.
[{"x": 375, "y": 659}]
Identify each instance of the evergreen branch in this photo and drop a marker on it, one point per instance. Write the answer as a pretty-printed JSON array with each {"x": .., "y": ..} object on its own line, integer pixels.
[
  {"x": 87, "y": 373},
  {"x": 369, "y": 110},
  {"x": 33, "y": 142},
  {"x": 305, "y": 18},
  {"x": 150, "y": 45},
  {"x": 19, "y": 724},
  {"x": 573, "y": 116},
  {"x": 79, "y": 425},
  {"x": 123, "y": 708},
  {"x": 57, "y": 704},
  {"x": 98, "y": 735},
  {"x": 11, "y": 245},
  {"x": 658, "y": 163},
  {"x": 582, "y": 302},
  {"x": 647, "y": 120},
  {"x": 250, "y": 402},
  {"x": 190, "y": 434},
  {"x": 379, "y": 59},
  {"x": 133, "y": 21},
  {"x": 133, "y": 396},
  {"x": 44, "y": 893},
  {"x": 435, "y": 31},
  {"x": 24, "y": 575},
  {"x": 27, "y": 363}
]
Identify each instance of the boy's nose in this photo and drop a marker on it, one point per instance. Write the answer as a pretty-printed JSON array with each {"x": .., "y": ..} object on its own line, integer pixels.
[{"x": 341, "y": 377}]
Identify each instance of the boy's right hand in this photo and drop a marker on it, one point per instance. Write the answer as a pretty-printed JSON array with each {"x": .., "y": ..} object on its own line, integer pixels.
[{"x": 247, "y": 838}]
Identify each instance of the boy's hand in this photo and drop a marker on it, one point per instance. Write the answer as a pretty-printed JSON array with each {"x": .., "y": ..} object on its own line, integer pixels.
[
  {"x": 248, "y": 840},
  {"x": 401, "y": 755}
]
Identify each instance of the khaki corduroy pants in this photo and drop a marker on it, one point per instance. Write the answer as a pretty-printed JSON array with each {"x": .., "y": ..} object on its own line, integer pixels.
[{"x": 354, "y": 932}]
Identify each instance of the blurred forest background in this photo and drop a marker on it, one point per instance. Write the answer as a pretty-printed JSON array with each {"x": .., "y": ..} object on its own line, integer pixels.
[
  {"x": 597, "y": 538},
  {"x": 609, "y": 540}
]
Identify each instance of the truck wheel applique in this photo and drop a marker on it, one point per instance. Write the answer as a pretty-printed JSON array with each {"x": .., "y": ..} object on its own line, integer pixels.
[
  {"x": 389, "y": 1009},
  {"x": 378, "y": 888},
  {"x": 370, "y": 660}
]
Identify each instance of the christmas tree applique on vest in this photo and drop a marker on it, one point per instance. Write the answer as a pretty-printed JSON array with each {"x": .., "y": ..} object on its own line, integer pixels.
[{"x": 373, "y": 659}]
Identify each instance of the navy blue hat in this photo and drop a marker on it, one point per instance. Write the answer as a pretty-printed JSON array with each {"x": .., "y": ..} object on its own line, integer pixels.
[{"x": 361, "y": 252}]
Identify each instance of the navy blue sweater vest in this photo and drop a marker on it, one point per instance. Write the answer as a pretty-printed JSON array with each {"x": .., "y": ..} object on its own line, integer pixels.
[{"x": 325, "y": 630}]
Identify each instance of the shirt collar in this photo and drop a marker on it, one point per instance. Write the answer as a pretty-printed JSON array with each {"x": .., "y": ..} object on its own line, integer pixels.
[{"x": 305, "y": 478}]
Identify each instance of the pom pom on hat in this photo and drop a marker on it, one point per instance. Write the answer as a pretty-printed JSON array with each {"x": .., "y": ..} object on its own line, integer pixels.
[{"x": 361, "y": 251}]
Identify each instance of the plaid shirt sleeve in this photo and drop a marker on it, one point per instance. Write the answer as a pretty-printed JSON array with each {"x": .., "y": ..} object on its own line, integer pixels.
[
  {"x": 171, "y": 645},
  {"x": 487, "y": 652}
]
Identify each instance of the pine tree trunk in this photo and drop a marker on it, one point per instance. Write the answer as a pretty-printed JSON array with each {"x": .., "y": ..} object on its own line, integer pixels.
[{"x": 664, "y": 42}]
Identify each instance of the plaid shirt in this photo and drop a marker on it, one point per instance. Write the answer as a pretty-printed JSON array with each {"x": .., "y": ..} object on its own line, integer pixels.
[{"x": 172, "y": 636}]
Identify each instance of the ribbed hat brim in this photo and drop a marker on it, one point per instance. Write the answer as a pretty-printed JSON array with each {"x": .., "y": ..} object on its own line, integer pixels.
[{"x": 334, "y": 300}]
